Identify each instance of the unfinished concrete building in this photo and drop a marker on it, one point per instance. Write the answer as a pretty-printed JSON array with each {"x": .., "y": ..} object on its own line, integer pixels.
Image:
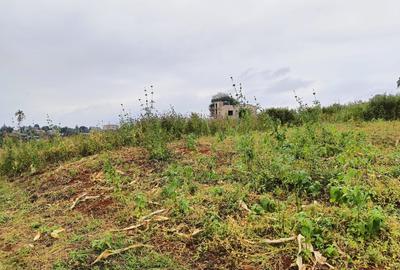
[{"x": 224, "y": 106}]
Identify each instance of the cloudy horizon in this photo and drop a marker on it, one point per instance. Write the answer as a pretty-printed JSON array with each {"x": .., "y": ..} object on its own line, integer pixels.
[{"x": 78, "y": 61}]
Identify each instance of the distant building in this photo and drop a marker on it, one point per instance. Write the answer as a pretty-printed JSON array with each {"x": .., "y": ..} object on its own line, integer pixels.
[
  {"x": 224, "y": 106},
  {"x": 94, "y": 129},
  {"x": 110, "y": 127}
]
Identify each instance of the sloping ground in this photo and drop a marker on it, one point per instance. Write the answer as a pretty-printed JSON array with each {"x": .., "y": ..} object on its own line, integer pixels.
[{"x": 214, "y": 205}]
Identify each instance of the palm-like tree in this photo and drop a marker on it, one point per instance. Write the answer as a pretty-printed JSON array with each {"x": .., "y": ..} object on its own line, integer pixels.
[{"x": 20, "y": 115}]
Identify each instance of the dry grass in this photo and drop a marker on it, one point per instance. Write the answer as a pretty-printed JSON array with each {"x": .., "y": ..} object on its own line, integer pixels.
[{"x": 204, "y": 226}]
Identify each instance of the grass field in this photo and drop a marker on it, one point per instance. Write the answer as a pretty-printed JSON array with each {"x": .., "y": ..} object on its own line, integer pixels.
[{"x": 317, "y": 196}]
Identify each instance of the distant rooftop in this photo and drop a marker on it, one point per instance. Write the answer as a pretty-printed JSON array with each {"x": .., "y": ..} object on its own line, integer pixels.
[
  {"x": 226, "y": 98},
  {"x": 220, "y": 96}
]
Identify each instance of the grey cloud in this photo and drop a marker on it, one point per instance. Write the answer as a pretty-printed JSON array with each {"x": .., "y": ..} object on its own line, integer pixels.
[
  {"x": 78, "y": 60},
  {"x": 281, "y": 72},
  {"x": 251, "y": 73},
  {"x": 288, "y": 84}
]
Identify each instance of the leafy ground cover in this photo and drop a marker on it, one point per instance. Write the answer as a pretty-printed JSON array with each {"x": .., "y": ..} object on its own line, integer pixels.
[{"x": 236, "y": 200}]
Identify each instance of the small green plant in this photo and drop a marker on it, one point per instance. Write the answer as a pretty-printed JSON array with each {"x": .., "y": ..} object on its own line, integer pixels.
[
  {"x": 76, "y": 238},
  {"x": 191, "y": 141},
  {"x": 141, "y": 201},
  {"x": 246, "y": 148},
  {"x": 267, "y": 204},
  {"x": 170, "y": 190},
  {"x": 369, "y": 223},
  {"x": 108, "y": 241},
  {"x": 331, "y": 251},
  {"x": 73, "y": 172},
  {"x": 155, "y": 140},
  {"x": 4, "y": 218},
  {"x": 353, "y": 196},
  {"x": 183, "y": 206},
  {"x": 229, "y": 202},
  {"x": 306, "y": 226},
  {"x": 60, "y": 265},
  {"x": 214, "y": 226},
  {"x": 78, "y": 257},
  {"x": 217, "y": 191},
  {"x": 309, "y": 115},
  {"x": 257, "y": 209},
  {"x": 150, "y": 260},
  {"x": 301, "y": 182},
  {"x": 221, "y": 135},
  {"x": 101, "y": 244},
  {"x": 112, "y": 176},
  {"x": 375, "y": 221},
  {"x": 206, "y": 170}
]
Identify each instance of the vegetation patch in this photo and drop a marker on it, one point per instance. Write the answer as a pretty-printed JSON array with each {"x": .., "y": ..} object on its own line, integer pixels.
[{"x": 169, "y": 193}]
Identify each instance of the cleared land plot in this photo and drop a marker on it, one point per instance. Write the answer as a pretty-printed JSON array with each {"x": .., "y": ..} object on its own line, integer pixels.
[{"x": 215, "y": 204}]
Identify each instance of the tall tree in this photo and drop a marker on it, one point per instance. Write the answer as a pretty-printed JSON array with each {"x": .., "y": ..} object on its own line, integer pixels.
[{"x": 20, "y": 115}]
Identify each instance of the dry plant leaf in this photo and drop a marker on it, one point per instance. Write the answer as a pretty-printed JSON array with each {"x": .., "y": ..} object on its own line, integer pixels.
[
  {"x": 249, "y": 241},
  {"x": 107, "y": 253},
  {"x": 159, "y": 218},
  {"x": 131, "y": 227},
  {"x": 55, "y": 233},
  {"x": 190, "y": 235},
  {"x": 299, "y": 263},
  {"x": 321, "y": 259},
  {"x": 299, "y": 259},
  {"x": 318, "y": 258},
  {"x": 280, "y": 240},
  {"x": 243, "y": 205},
  {"x": 90, "y": 197},
  {"x": 77, "y": 200},
  {"x": 155, "y": 203},
  {"x": 83, "y": 198},
  {"x": 120, "y": 172},
  {"x": 308, "y": 246},
  {"x": 183, "y": 235},
  {"x": 37, "y": 236},
  {"x": 152, "y": 214},
  {"x": 146, "y": 221},
  {"x": 196, "y": 232}
]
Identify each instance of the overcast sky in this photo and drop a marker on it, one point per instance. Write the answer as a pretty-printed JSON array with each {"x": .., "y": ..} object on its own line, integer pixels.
[{"x": 78, "y": 60}]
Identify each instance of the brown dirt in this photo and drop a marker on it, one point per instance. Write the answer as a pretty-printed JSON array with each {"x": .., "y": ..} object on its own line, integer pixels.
[{"x": 96, "y": 207}]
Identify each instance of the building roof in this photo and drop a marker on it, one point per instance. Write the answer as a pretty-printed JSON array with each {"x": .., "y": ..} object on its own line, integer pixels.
[
  {"x": 220, "y": 95},
  {"x": 224, "y": 97}
]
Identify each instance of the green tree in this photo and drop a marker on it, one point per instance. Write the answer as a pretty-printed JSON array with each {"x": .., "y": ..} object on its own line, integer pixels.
[{"x": 20, "y": 115}]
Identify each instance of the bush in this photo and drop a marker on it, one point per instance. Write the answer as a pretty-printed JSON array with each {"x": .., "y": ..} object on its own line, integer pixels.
[
  {"x": 19, "y": 156},
  {"x": 154, "y": 139},
  {"x": 384, "y": 106},
  {"x": 283, "y": 115}
]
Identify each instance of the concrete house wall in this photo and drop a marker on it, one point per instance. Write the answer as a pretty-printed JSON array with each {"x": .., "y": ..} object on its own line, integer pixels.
[{"x": 222, "y": 109}]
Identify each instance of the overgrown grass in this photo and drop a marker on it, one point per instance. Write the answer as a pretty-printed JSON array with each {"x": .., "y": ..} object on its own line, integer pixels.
[
  {"x": 222, "y": 187},
  {"x": 152, "y": 132}
]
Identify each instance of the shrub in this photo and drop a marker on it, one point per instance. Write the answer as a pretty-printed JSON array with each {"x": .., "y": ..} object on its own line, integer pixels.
[
  {"x": 283, "y": 115},
  {"x": 154, "y": 138},
  {"x": 191, "y": 141},
  {"x": 384, "y": 106},
  {"x": 197, "y": 125},
  {"x": 246, "y": 148},
  {"x": 112, "y": 176}
]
